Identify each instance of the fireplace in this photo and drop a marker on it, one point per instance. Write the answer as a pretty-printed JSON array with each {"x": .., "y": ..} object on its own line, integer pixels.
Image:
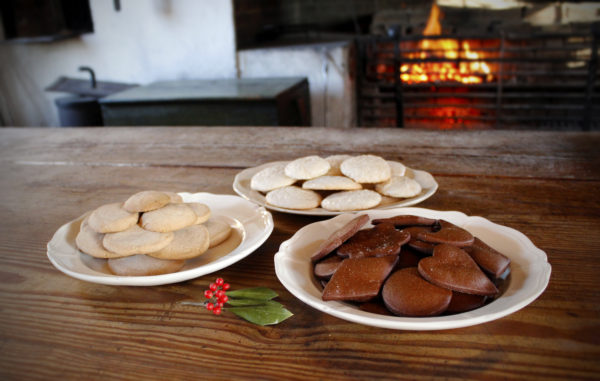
[
  {"x": 528, "y": 79},
  {"x": 441, "y": 64}
]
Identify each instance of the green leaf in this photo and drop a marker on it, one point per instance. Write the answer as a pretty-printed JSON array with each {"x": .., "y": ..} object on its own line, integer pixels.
[
  {"x": 245, "y": 302},
  {"x": 269, "y": 312},
  {"x": 256, "y": 293},
  {"x": 257, "y": 303}
]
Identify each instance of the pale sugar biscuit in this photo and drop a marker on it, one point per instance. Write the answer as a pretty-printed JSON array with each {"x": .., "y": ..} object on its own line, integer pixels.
[
  {"x": 399, "y": 186},
  {"x": 331, "y": 183},
  {"x": 146, "y": 201},
  {"x": 270, "y": 178},
  {"x": 202, "y": 211},
  {"x": 112, "y": 218},
  {"x": 366, "y": 169},
  {"x": 334, "y": 163},
  {"x": 90, "y": 242},
  {"x": 351, "y": 200},
  {"x": 169, "y": 218},
  {"x": 397, "y": 168},
  {"x": 143, "y": 265},
  {"x": 293, "y": 197},
  {"x": 136, "y": 240},
  {"x": 307, "y": 167},
  {"x": 218, "y": 231},
  {"x": 188, "y": 242},
  {"x": 387, "y": 200},
  {"x": 173, "y": 197}
]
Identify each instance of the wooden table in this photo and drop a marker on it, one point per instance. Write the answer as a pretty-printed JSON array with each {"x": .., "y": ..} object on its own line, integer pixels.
[{"x": 544, "y": 184}]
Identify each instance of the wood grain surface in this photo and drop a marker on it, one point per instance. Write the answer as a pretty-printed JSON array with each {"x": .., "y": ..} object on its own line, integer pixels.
[{"x": 52, "y": 326}]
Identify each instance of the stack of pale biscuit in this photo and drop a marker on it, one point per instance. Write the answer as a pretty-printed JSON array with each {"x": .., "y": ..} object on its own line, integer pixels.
[
  {"x": 335, "y": 183},
  {"x": 150, "y": 233}
]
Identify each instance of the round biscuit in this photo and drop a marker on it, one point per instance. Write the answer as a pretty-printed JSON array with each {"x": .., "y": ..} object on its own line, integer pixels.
[
  {"x": 307, "y": 167},
  {"x": 169, "y": 218},
  {"x": 174, "y": 198},
  {"x": 331, "y": 183},
  {"x": 270, "y": 178},
  {"x": 111, "y": 218},
  {"x": 399, "y": 186},
  {"x": 396, "y": 168},
  {"x": 351, "y": 200},
  {"x": 188, "y": 242},
  {"x": 387, "y": 200},
  {"x": 143, "y": 265},
  {"x": 366, "y": 169},
  {"x": 146, "y": 201},
  {"x": 136, "y": 240},
  {"x": 293, "y": 197},
  {"x": 334, "y": 163},
  {"x": 202, "y": 211},
  {"x": 90, "y": 242},
  {"x": 218, "y": 231}
]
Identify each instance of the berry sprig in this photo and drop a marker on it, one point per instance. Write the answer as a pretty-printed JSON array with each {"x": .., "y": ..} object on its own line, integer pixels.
[
  {"x": 216, "y": 295},
  {"x": 255, "y": 305}
]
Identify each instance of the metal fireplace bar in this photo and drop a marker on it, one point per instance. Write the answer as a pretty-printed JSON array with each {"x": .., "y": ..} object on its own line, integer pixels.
[{"x": 537, "y": 81}]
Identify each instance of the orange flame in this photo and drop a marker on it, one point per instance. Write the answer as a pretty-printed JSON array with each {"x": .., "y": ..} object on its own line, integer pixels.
[
  {"x": 458, "y": 63},
  {"x": 433, "y": 27}
]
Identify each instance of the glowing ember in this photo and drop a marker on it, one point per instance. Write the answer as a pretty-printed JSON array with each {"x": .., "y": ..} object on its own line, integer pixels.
[{"x": 467, "y": 67}]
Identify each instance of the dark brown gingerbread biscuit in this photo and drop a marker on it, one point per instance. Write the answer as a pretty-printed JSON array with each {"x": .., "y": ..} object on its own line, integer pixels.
[
  {"x": 325, "y": 268},
  {"x": 381, "y": 240},
  {"x": 465, "y": 302},
  {"x": 448, "y": 233},
  {"x": 408, "y": 258},
  {"x": 453, "y": 268},
  {"x": 490, "y": 260},
  {"x": 406, "y": 293},
  {"x": 359, "y": 279},
  {"x": 405, "y": 220},
  {"x": 425, "y": 248},
  {"x": 339, "y": 236},
  {"x": 375, "y": 307}
]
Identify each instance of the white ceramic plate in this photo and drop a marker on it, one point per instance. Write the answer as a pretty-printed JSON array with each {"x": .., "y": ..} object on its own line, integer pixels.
[
  {"x": 530, "y": 271},
  {"x": 241, "y": 185},
  {"x": 252, "y": 226}
]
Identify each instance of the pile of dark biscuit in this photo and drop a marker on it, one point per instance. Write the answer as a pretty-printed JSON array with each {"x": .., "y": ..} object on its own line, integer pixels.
[{"x": 409, "y": 266}]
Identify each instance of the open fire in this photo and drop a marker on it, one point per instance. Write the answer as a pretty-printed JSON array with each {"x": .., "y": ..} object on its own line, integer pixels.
[
  {"x": 470, "y": 69},
  {"x": 504, "y": 79},
  {"x": 442, "y": 59}
]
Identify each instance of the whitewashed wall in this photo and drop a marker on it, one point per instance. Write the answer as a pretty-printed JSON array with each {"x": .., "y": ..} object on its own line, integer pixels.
[
  {"x": 328, "y": 69},
  {"x": 147, "y": 41}
]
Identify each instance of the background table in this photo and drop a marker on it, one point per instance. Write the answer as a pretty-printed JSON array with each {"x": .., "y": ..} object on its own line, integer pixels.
[
  {"x": 211, "y": 102},
  {"x": 544, "y": 184}
]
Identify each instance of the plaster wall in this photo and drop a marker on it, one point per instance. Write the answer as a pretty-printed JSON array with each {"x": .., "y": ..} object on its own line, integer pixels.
[
  {"x": 328, "y": 69},
  {"x": 146, "y": 41}
]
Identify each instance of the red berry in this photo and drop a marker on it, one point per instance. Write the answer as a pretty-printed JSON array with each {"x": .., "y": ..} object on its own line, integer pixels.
[
  {"x": 219, "y": 281},
  {"x": 208, "y": 294},
  {"x": 224, "y": 299},
  {"x": 219, "y": 293},
  {"x": 226, "y": 286},
  {"x": 213, "y": 287},
  {"x": 210, "y": 306},
  {"x": 219, "y": 304},
  {"x": 217, "y": 310}
]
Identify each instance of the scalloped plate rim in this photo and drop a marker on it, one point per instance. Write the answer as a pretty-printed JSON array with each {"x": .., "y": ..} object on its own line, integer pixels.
[
  {"x": 257, "y": 229},
  {"x": 530, "y": 266},
  {"x": 249, "y": 194}
]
